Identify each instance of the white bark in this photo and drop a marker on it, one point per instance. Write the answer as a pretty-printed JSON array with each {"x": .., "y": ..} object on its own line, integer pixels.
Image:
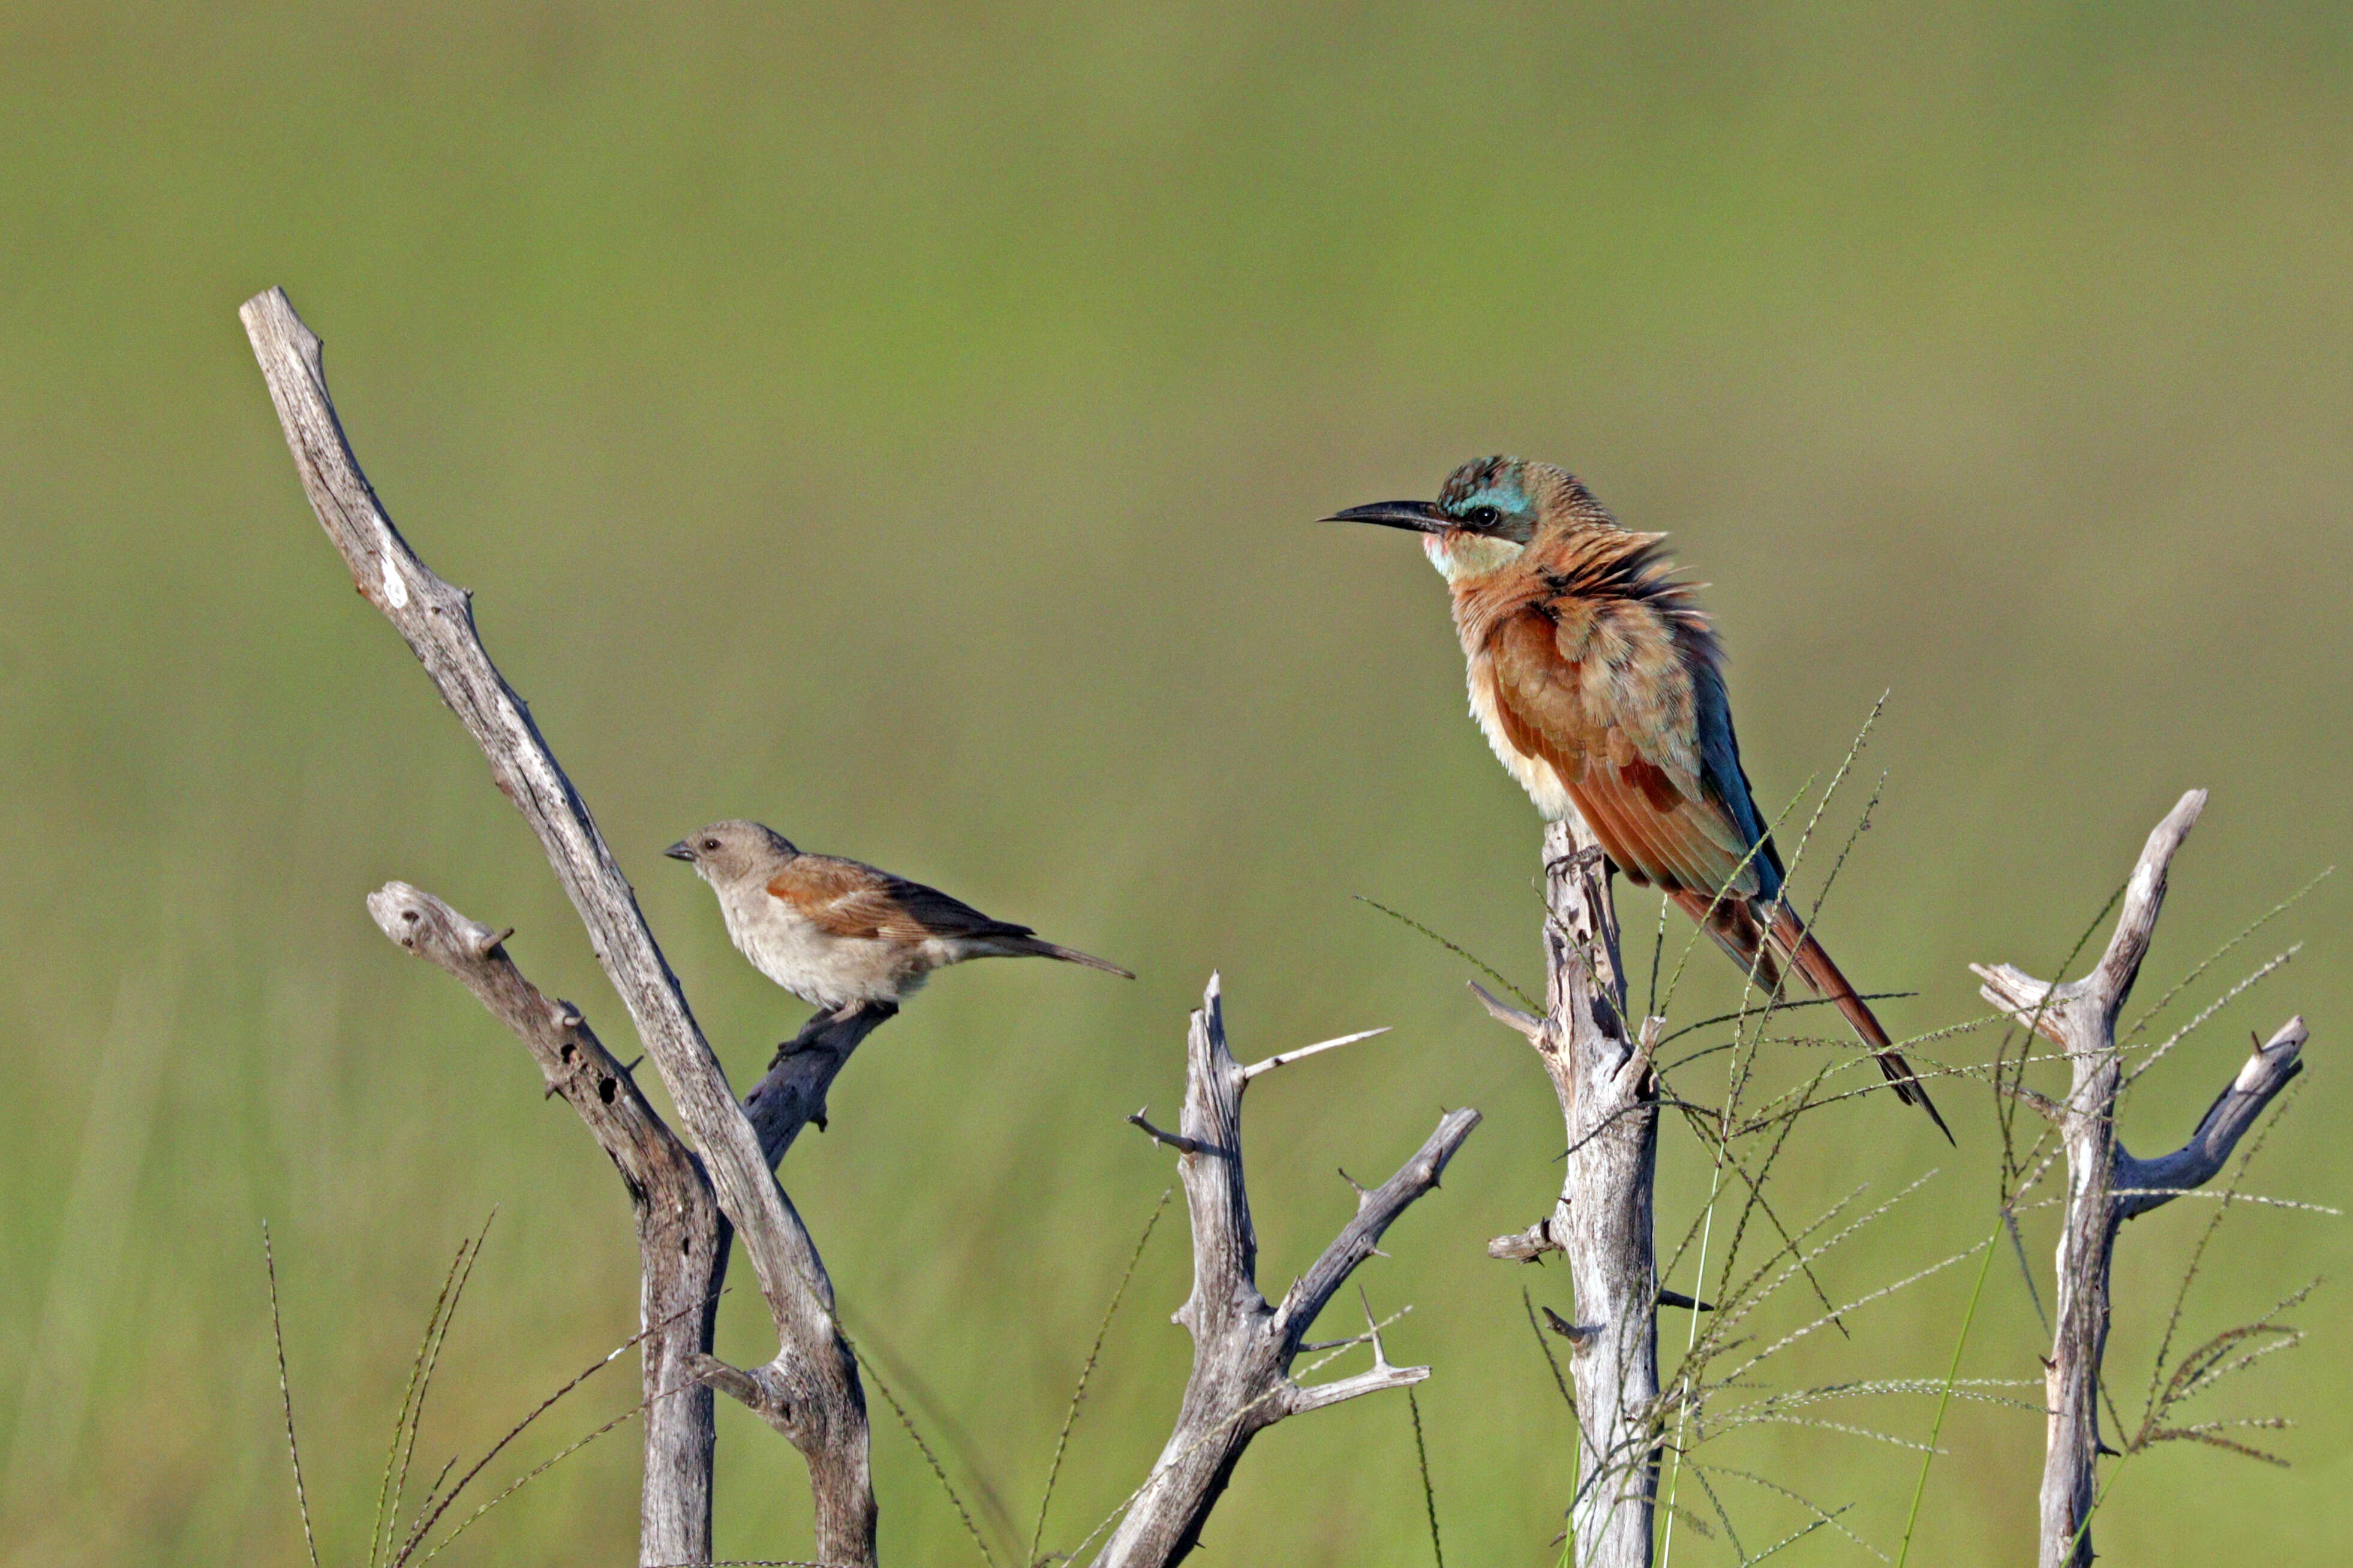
[
  {"x": 809, "y": 1390},
  {"x": 1602, "y": 1221},
  {"x": 681, "y": 1249},
  {"x": 1242, "y": 1347},
  {"x": 2105, "y": 1186}
]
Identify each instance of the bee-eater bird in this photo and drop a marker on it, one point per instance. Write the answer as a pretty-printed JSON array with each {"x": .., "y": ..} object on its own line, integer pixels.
[
  {"x": 1599, "y": 683},
  {"x": 840, "y": 935}
]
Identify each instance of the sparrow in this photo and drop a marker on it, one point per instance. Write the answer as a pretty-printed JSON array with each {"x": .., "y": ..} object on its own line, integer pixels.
[
  {"x": 840, "y": 935},
  {"x": 1599, "y": 683}
]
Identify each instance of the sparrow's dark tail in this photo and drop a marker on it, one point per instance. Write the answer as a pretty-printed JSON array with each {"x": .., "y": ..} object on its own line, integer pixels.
[
  {"x": 1026, "y": 946},
  {"x": 1735, "y": 928}
]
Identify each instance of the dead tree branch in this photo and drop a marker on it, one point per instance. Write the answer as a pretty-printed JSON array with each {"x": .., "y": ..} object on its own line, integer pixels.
[
  {"x": 682, "y": 1238},
  {"x": 1242, "y": 1347},
  {"x": 2144, "y": 1184},
  {"x": 681, "y": 1249},
  {"x": 810, "y": 1391},
  {"x": 791, "y": 1093},
  {"x": 2105, "y": 1186},
  {"x": 1602, "y": 1220}
]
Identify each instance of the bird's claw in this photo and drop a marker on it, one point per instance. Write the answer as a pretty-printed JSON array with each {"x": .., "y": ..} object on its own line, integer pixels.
[
  {"x": 810, "y": 1038},
  {"x": 1577, "y": 860}
]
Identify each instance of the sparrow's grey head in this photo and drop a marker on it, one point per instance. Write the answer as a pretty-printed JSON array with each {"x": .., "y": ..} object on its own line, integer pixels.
[{"x": 727, "y": 852}]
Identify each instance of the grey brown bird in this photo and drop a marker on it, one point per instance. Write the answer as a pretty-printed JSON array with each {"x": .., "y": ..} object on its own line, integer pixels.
[
  {"x": 842, "y": 935},
  {"x": 1600, "y": 684}
]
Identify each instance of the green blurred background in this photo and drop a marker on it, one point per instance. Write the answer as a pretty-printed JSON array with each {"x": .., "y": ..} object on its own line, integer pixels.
[{"x": 904, "y": 424}]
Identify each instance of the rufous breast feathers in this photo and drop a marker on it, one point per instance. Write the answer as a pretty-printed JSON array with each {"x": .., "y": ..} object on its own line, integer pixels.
[{"x": 1594, "y": 680}]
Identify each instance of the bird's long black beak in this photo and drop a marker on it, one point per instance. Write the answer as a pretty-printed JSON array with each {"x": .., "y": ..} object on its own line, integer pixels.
[
  {"x": 1418, "y": 516},
  {"x": 682, "y": 851}
]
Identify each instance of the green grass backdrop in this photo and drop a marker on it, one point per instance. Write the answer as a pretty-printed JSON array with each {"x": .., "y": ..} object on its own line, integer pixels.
[{"x": 904, "y": 423}]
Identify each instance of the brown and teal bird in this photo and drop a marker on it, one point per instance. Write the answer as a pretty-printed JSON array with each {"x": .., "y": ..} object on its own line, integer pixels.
[{"x": 1599, "y": 683}]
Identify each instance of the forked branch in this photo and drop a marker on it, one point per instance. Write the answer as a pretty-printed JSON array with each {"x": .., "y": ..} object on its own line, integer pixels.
[
  {"x": 1243, "y": 1348},
  {"x": 2107, "y": 1185},
  {"x": 2144, "y": 1184},
  {"x": 681, "y": 1253},
  {"x": 825, "y": 1417},
  {"x": 682, "y": 1238}
]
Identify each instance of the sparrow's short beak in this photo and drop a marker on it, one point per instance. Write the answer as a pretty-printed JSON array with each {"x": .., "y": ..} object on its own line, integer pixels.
[
  {"x": 682, "y": 851},
  {"x": 1420, "y": 516}
]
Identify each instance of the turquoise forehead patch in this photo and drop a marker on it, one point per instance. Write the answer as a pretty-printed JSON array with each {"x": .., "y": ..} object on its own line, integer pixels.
[{"x": 1504, "y": 496}]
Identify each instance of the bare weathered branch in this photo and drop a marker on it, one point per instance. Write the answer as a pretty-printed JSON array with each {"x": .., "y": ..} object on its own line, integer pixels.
[
  {"x": 2063, "y": 1013},
  {"x": 1602, "y": 1219},
  {"x": 1526, "y": 1024},
  {"x": 1285, "y": 1059},
  {"x": 1242, "y": 1347},
  {"x": 1526, "y": 1245},
  {"x": 2144, "y": 1184},
  {"x": 2105, "y": 1186},
  {"x": 791, "y": 1093},
  {"x": 1176, "y": 1141},
  {"x": 827, "y": 1417},
  {"x": 1376, "y": 1210},
  {"x": 680, "y": 1250}
]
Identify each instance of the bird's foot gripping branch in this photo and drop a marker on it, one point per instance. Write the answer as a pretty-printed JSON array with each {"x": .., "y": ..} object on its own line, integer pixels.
[
  {"x": 1546, "y": 588},
  {"x": 685, "y": 1199}
]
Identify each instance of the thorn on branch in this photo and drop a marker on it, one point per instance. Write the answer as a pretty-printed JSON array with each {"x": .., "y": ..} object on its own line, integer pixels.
[
  {"x": 1285, "y": 1059},
  {"x": 1526, "y": 1247},
  {"x": 1372, "y": 1330},
  {"x": 1577, "y": 1334},
  {"x": 1176, "y": 1140},
  {"x": 1511, "y": 1017},
  {"x": 732, "y": 1381}
]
